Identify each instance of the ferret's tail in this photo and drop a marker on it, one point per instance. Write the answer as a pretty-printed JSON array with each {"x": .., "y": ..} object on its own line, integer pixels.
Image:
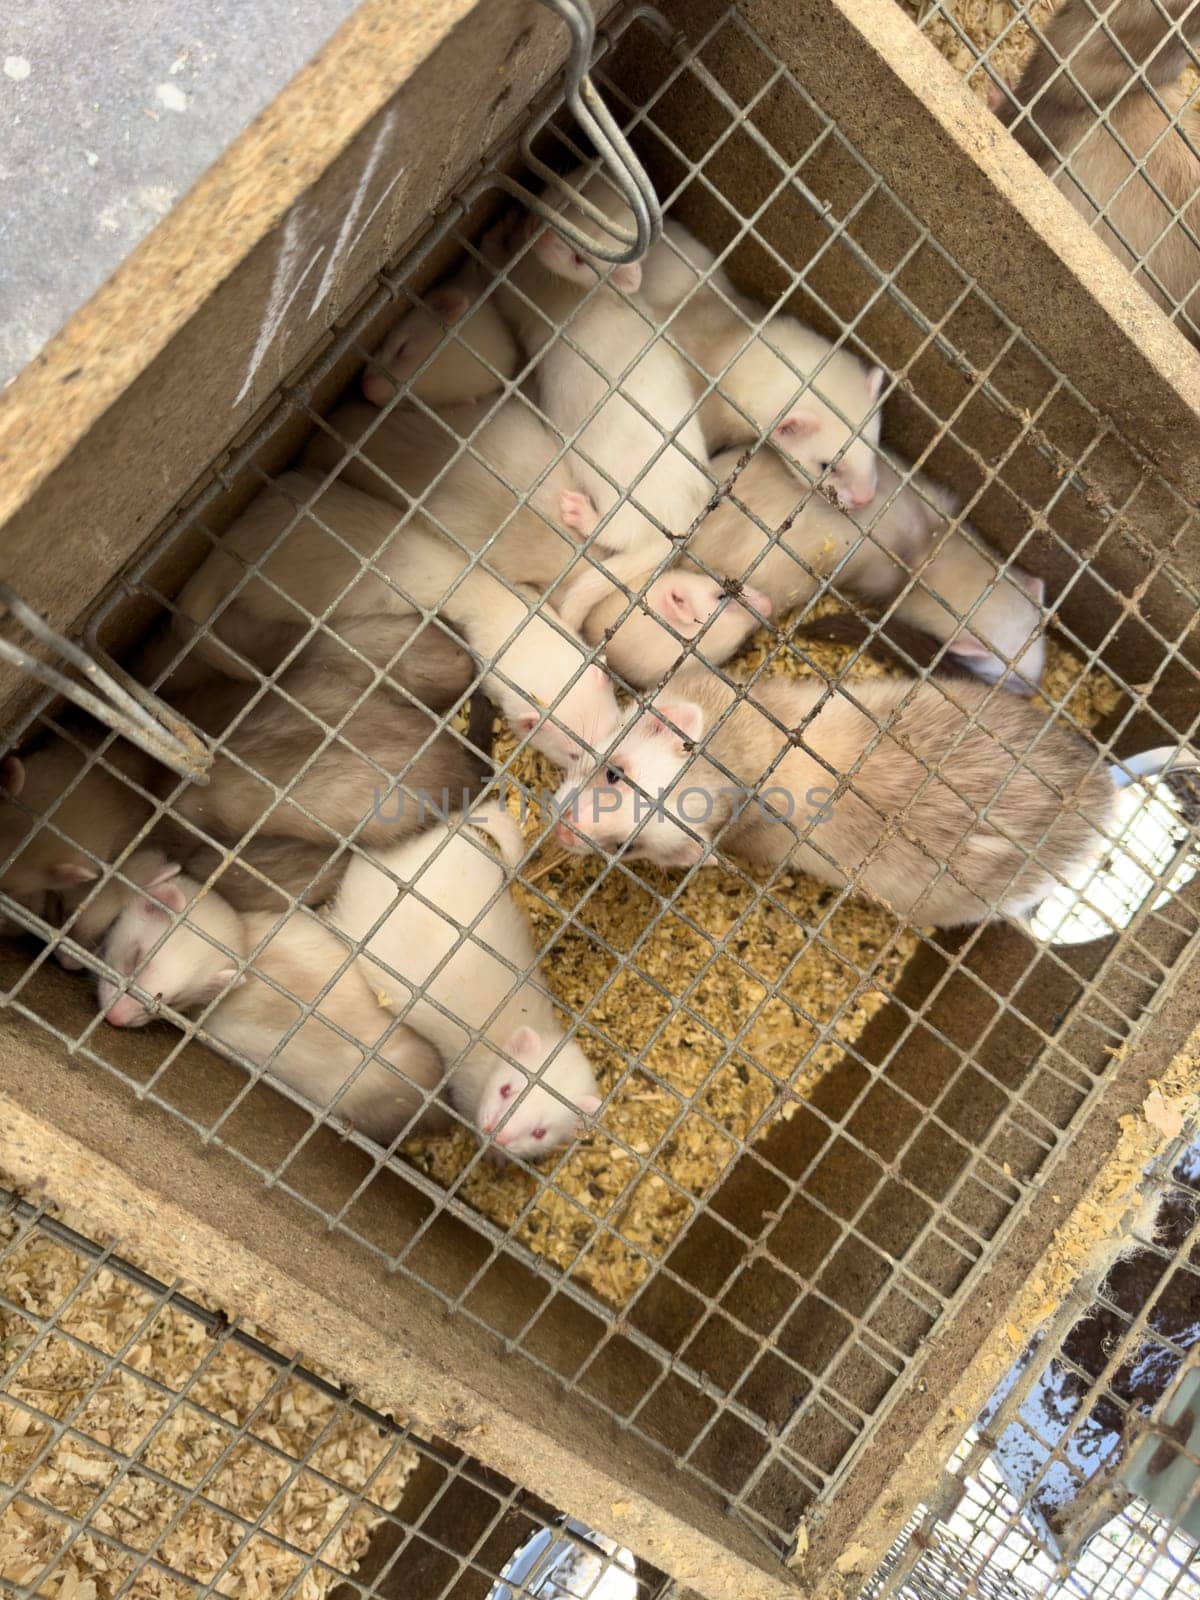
[
  {"x": 495, "y": 820},
  {"x": 1149, "y": 763}
]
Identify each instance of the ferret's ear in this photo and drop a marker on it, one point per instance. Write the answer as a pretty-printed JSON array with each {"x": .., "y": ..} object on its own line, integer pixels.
[
  {"x": 598, "y": 675},
  {"x": 678, "y": 720},
  {"x": 74, "y": 872},
  {"x": 168, "y": 870},
  {"x": 1035, "y": 588},
  {"x": 226, "y": 978},
  {"x": 628, "y": 276},
  {"x": 797, "y": 425},
  {"x": 876, "y": 379},
  {"x": 525, "y": 1045},
  {"x": 967, "y": 648},
  {"x": 449, "y": 304},
  {"x": 551, "y": 246},
  {"x": 166, "y": 895},
  {"x": 589, "y": 1104},
  {"x": 12, "y": 776}
]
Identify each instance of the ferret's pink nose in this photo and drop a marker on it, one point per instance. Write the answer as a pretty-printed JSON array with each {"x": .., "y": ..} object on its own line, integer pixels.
[
  {"x": 565, "y": 837},
  {"x": 123, "y": 1012},
  {"x": 862, "y": 497},
  {"x": 758, "y": 601}
]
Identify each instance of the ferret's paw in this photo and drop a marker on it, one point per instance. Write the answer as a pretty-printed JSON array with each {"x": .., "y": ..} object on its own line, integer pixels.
[{"x": 577, "y": 512}]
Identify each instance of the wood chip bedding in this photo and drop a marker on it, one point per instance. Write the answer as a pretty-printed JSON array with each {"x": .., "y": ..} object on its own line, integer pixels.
[
  {"x": 755, "y": 975},
  {"x": 138, "y": 1409}
]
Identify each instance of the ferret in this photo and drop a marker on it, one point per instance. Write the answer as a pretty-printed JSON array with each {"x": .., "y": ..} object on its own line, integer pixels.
[
  {"x": 341, "y": 765},
  {"x": 990, "y": 612},
  {"x": 969, "y": 803},
  {"x": 828, "y": 428},
  {"x": 522, "y": 540},
  {"x": 638, "y": 441},
  {"x": 1116, "y": 193},
  {"x": 103, "y": 900},
  {"x": 680, "y": 276},
  {"x": 55, "y": 839},
  {"x": 477, "y": 350},
  {"x": 788, "y": 543},
  {"x": 201, "y": 959},
  {"x": 448, "y": 945},
  {"x": 535, "y": 669},
  {"x": 532, "y": 540}
]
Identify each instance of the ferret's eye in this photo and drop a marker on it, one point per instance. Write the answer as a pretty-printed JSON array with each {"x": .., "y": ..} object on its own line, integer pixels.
[
  {"x": 823, "y": 466},
  {"x": 538, "y": 1133},
  {"x": 505, "y": 1091},
  {"x": 613, "y": 776}
]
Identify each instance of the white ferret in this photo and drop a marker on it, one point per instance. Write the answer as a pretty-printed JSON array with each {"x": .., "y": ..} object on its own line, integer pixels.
[
  {"x": 787, "y": 542},
  {"x": 475, "y": 348},
  {"x": 819, "y": 405},
  {"x": 104, "y": 900},
  {"x": 615, "y": 390},
  {"x": 398, "y": 455},
  {"x": 374, "y": 1077},
  {"x": 535, "y": 669},
  {"x": 945, "y": 802},
  {"x": 444, "y": 939}
]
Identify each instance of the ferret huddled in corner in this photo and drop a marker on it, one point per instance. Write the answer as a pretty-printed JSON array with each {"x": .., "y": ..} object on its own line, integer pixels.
[
  {"x": 946, "y": 802},
  {"x": 343, "y": 742},
  {"x": 446, "y": 943},
  {"x": 524, "y": 540},
  {"x": 475, "y": 348},
  {"x": 1116, "y": 131},
  {"x": 639, "y": 439},
  {"x": 262, "y": 977},
  {"x": 65, "y": 813},
  {"x": 535, "y": 669}
]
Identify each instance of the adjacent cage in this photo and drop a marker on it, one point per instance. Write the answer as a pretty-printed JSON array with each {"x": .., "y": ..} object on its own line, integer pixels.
[
  {"x": 821, "y": 1125},
  {"x": 1081, "y": 1475},
  {"x": 150, "y": 1447}
]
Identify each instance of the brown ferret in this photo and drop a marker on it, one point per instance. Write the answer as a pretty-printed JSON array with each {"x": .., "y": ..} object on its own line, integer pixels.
[
  {"x": 64, "y": 814},
  {"x": 945, "y": 801},
  {"x": 344, "y": 766},
  {"x": 1085, "y": 155}
]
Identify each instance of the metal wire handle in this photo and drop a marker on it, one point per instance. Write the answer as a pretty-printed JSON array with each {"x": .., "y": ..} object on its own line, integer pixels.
[
  {"x": 626, "y": 171},
  {"x": 126, "y": 707}
]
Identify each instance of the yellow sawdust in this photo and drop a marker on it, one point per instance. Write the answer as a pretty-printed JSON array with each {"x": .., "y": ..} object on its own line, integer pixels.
[
  {"x": 133, "y": 1411},
  {"x": 767, "y": 1009}
]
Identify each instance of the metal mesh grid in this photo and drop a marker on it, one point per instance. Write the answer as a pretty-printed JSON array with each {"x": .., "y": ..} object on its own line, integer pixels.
[
  {"x": 1082, "y": 1475},
  {"x": 150, "y": 1447},
  {"x": 762, "y": 1336},
  {"x": 1100, "y": 94}
]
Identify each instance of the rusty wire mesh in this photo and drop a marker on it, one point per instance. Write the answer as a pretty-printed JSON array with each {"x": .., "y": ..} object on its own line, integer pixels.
[{"x": 817, "y": 1121}]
